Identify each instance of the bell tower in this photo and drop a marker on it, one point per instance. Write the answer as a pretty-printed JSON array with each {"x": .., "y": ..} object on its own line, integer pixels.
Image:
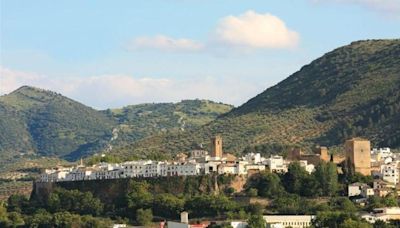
[{"x": 216, "y": 146}]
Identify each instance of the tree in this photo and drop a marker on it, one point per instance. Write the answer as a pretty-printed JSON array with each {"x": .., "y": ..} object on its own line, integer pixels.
[
  {"x": 326, "y": 175},
  {"x": 252, "y": 192},
  {"x": 350, "y": 223},
  {"x": 343, "y": 204},
  {"x": 66, "y": 219},
  {"x": 256, "y": 221},
  {"x": 267, "y": 184},
  {"x": 256, "y": 208},
  {"x": 210, "y": 205},
  {"x": 87, "y": 221},
  {"x": 41, "y": 218},
  {"x": 382, "y": 224},
  {"x": 17, "y": 203},
  {"x": 3, "y": 216},
  {"x": 144, "y": 216},
  {"x": 15, "y": 219},
  {"x": 74, "y": 201},
  {"x": 168, "y": 205},
  {"x": 332, "y": 179},
  {"x": 139, "y": 195},
  {"x": 295, "y": 177}
]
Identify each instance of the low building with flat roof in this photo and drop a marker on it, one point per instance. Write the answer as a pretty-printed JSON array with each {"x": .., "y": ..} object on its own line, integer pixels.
[{"x": 294, "y": 221}]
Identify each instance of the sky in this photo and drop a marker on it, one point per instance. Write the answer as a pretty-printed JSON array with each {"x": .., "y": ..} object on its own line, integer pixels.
[{"x": 109, "y": 54}]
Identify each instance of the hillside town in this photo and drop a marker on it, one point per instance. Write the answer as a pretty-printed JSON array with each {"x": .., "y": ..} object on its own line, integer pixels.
[
  {"x": 381, "y": 163},
  {"x": 199, "y": 162}
]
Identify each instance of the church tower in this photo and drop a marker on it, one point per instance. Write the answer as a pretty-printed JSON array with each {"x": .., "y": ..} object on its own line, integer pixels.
[{"x": 216, "y": 146}]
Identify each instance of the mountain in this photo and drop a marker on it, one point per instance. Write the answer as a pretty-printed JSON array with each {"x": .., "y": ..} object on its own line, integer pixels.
[
  {"x": 136, "y": 122},
  {"x": 45, "y": 123},
  {"x": 36, "y": 122},
  {"x": 351, "y": 91}
]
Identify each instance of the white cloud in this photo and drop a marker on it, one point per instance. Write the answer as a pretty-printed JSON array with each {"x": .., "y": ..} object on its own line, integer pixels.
[
  {"x": 254, "y": 30},
  {"x": 11, "y": 79},
  {"x": 110, "y": 91},
  {"x": 391, "y": 7},
  {"x": 164, "y": 43},
  {"x": 250, "y": 30}
]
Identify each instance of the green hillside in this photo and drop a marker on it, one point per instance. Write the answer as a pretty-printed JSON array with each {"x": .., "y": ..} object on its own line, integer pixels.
[
  {"x": 36, "y": 122},
  {"x": 48, "y": 124},
  {"x": 351, "y": 91},
  {"x": 136, "y": 122}
]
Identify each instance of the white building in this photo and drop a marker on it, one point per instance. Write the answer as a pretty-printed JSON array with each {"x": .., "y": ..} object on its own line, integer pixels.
[
  {"x": 381, "y": 155},
  {"x": 211, "y": 166},
  {"x": 308, "y": 167},
  {"x": 383, "y": 214},
  {"x": 253, "y": 158},
  {"x": 239, "y": 224},
  {"x": 295, "y": 221},
  {"x": 198, "y": 153},
  {"x": 359, "y": 189},
  {"x": 79, "y": 174},
  {"x": 276, "y": 164},
  {"x": 227, "y": 169},
  {"x": 390, "y": 172},
  {"x": 255, "y": 167},
  {"x": 53, "y": 175}
]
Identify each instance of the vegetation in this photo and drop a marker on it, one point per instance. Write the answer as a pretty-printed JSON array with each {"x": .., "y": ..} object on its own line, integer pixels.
[
  {"x": 141, "y": 201},
  {"x": 37, "y": 122},
  {"x": 351, "y": 91},
  {"x": 49, "y": 124}
]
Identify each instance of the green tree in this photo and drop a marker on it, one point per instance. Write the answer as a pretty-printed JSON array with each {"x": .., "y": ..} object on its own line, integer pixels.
[
  {"x": 350, "y": 223},
  {"x": 382, "y": 224},
  {"x": 295, "y": 178},
  {"x": 168, "y": 205},
  {"x": 139, "y": 195},
  {"x": 267, "y": 184},
  {"x": 343, "y": 204},
  {"x": 88, "y": 221},
  {"x": 326, "y": 175},
  {"x": 41, "y": 218},
  {"x": 256, "y": 221},
  {"x": 252, "y": 192},
  {"x": 17, "y": 203},
  {"x": 3, "y": 215},
  {"x": 210, "y": 205},
  {"x": 66, "y": 219},
  {"x": 15, "y": 219},
  {"x": 74, "y": 201},
  {"x": 144, "y": 216}
]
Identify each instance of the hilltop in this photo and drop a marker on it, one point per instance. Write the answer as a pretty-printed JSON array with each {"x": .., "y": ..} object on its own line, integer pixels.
[
  {"x": 37, "y": 122},
  {"x": 351, "y": 91},
  {"x": 48, "y": 124},
  {"x": 136, "y": 122}
]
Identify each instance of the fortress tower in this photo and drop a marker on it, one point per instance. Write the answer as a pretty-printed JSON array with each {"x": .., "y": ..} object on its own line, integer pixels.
[
  {"x": 216, "y": 146},
  {"x": 358, "y": 153}
]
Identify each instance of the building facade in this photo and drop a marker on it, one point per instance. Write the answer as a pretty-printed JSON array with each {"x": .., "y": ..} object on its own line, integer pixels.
[{"x": 358, "y": 154}]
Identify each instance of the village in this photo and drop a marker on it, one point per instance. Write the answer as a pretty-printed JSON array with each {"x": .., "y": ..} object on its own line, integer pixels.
[
  {"x": 380, "y": 163},
  {"x": 200, "y": 162}
]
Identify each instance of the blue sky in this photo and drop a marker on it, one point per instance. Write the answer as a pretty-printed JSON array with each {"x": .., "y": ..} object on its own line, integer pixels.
[{"x": 115, "y": 53}]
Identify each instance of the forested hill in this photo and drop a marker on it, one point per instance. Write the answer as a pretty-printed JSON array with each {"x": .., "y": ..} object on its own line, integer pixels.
[
  {"x": 136, "y": 122},
  {"x": 42, "y": 122},
  {"x": 38, "y": 122},
  {"x": 342, "y": 79},
  {"x": 351, "y": 91}
]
